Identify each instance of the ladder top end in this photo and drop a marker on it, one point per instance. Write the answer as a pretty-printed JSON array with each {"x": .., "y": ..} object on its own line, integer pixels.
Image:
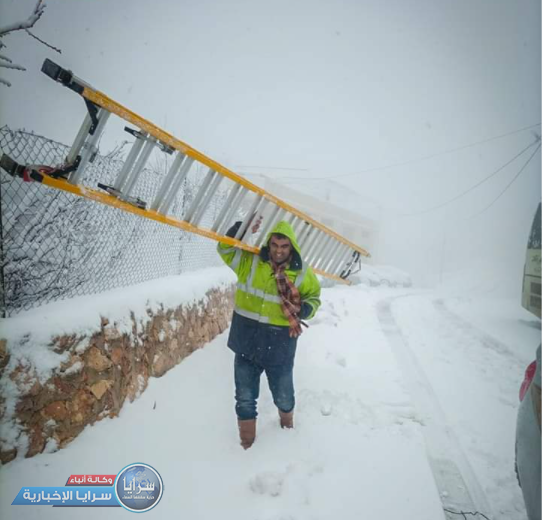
[{"x": 57, "y": 73}]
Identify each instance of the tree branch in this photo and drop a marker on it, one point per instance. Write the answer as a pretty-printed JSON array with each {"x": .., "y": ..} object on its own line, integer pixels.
[
  {"x": 45, "y": 43},
  {"x": 11, "y": 66},
  {"x": 5, "y": 62},
  {"x": 26, "y": 24}
]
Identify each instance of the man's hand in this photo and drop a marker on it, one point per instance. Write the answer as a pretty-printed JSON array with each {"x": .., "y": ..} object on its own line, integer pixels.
[
  {"x": 256, "y": 225},
  {"x": 294, "y": 333}
]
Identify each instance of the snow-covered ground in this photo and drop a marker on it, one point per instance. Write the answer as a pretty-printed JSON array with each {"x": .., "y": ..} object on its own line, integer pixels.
[{"x": 406, "y": 402}]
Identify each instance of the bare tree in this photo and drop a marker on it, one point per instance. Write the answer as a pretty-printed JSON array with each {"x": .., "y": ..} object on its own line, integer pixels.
[{"x": 24, "y": 25}]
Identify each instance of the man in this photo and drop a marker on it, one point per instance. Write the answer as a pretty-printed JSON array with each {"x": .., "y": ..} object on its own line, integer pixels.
[{"x": 276, "y": 290}]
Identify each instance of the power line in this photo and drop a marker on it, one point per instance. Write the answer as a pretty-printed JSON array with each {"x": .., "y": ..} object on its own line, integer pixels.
[
  {"x": 412, "y": 161},
  {"x": 460, "y": 195},
  {"x": 508, "y": 186}
]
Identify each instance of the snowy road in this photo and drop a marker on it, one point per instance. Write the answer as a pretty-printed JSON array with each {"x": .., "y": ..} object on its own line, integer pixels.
[
  {"x": 456, "y": 481},
  {"x": 403, "y": 405},
  {"x": 466, "y": 381}
]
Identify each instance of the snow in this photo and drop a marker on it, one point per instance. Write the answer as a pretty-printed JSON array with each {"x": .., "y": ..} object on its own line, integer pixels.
[
  {"x": 405, "y": 398},
  {"x": 28, "y": 332}
]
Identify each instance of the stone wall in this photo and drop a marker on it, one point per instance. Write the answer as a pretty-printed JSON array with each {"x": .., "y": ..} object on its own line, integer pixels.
[{"x": 104, "y": 370}]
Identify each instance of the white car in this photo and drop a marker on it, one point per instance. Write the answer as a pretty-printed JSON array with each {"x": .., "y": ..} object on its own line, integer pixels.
[{"x": 528, "y": 439}]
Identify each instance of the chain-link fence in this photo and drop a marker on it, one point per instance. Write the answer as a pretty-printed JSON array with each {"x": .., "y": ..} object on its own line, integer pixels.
[{"x": 56, "y": 245}]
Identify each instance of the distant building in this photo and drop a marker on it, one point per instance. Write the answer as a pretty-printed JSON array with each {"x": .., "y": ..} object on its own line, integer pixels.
[{"x": 360, "y": 229}]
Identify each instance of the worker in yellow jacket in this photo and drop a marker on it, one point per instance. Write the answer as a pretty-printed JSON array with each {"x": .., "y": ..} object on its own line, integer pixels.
[{"x": 276, "y": 291}]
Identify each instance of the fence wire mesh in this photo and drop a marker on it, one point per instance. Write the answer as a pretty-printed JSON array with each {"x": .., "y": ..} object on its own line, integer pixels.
[{"x": 56, "y": 245}]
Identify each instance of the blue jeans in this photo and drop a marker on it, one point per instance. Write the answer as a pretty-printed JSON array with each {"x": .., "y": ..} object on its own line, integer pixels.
[{"x": 247, "y": 378}]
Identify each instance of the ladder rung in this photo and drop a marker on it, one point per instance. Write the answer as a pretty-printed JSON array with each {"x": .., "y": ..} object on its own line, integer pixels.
[
  {"x": 338, "y": 248},
  {"x": 308, "y": 240},
  {"x": 211, "y": 192},
  {"x": 262, "y": 209},
  {"x": 236, "y": 203},
  {"x": 336, "y": 262},
  {"x": 346, "y": 256},
  {"x": 328, "y": 253},
  {"x": 79, "y": 139},
  {"x": 176, "y": 186},
  {"x": 172, "y": 172},
  {"x": 313, "y": 243},
  {"x": 226, "y": 206},
  {"x": 128, "y": 163},
  {"x": 319, "y": 261},
  {"x": 199, "y": 195},
  {"x": 331, "y": 250},
  {"x": 267, "y": 224},
  {"x": 138, "y": 167},
  {"x": 297, "y": 226},
  {"x": 319, "y": 254},
  {"x": 259, "y": 214},
  {"x": 307, "y": 230},
  {"x": 319, "y": 246},
  {"x": 249, "y": 217},
  {"x": 89, "y": 147}
]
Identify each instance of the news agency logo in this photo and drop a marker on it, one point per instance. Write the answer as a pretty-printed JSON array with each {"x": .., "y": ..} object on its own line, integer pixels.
[{"x": 138, "y": 487}]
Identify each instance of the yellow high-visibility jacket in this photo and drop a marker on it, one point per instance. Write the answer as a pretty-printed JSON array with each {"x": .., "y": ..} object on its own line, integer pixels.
[{"x": 257, "y": 297}]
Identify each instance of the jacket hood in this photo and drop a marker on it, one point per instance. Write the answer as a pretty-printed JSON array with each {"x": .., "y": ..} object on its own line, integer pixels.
[{"x": 284, "y": 228}]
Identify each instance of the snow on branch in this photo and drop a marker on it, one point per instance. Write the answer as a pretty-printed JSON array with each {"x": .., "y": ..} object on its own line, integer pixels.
[
  {"x": 26, "y": 24},
  {"x": 5, "y": 62},
  {"x": 11, "y": 66}
]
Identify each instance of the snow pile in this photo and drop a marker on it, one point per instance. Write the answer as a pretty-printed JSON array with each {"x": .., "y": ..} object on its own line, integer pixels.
[{"x": 29, "y": 335}]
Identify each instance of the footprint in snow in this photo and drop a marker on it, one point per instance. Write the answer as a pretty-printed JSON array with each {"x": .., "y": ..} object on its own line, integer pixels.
[
  {"x": 337, "y": 359},
  {"x": 326, "y": 408},
  {"x": 267, "y": 483},
  {"x": 271, "y": 483},
  {"x": 341, "y": 361}
]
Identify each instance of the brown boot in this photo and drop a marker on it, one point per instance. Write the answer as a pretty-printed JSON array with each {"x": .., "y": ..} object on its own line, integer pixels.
[
  {"x": 286, "y": 419},
  {"x": 247, "y": 432}
]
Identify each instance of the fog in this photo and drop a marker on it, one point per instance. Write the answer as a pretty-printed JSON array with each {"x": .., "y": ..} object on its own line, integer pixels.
[{"x": 409, "y": 104}]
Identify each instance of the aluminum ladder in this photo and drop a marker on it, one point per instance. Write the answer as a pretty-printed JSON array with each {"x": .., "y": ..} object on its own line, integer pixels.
[{"x": 329, "y": 254}]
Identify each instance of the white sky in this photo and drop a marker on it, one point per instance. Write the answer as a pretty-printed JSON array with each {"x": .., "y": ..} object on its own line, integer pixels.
[{"x": 330, "y": 88}]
